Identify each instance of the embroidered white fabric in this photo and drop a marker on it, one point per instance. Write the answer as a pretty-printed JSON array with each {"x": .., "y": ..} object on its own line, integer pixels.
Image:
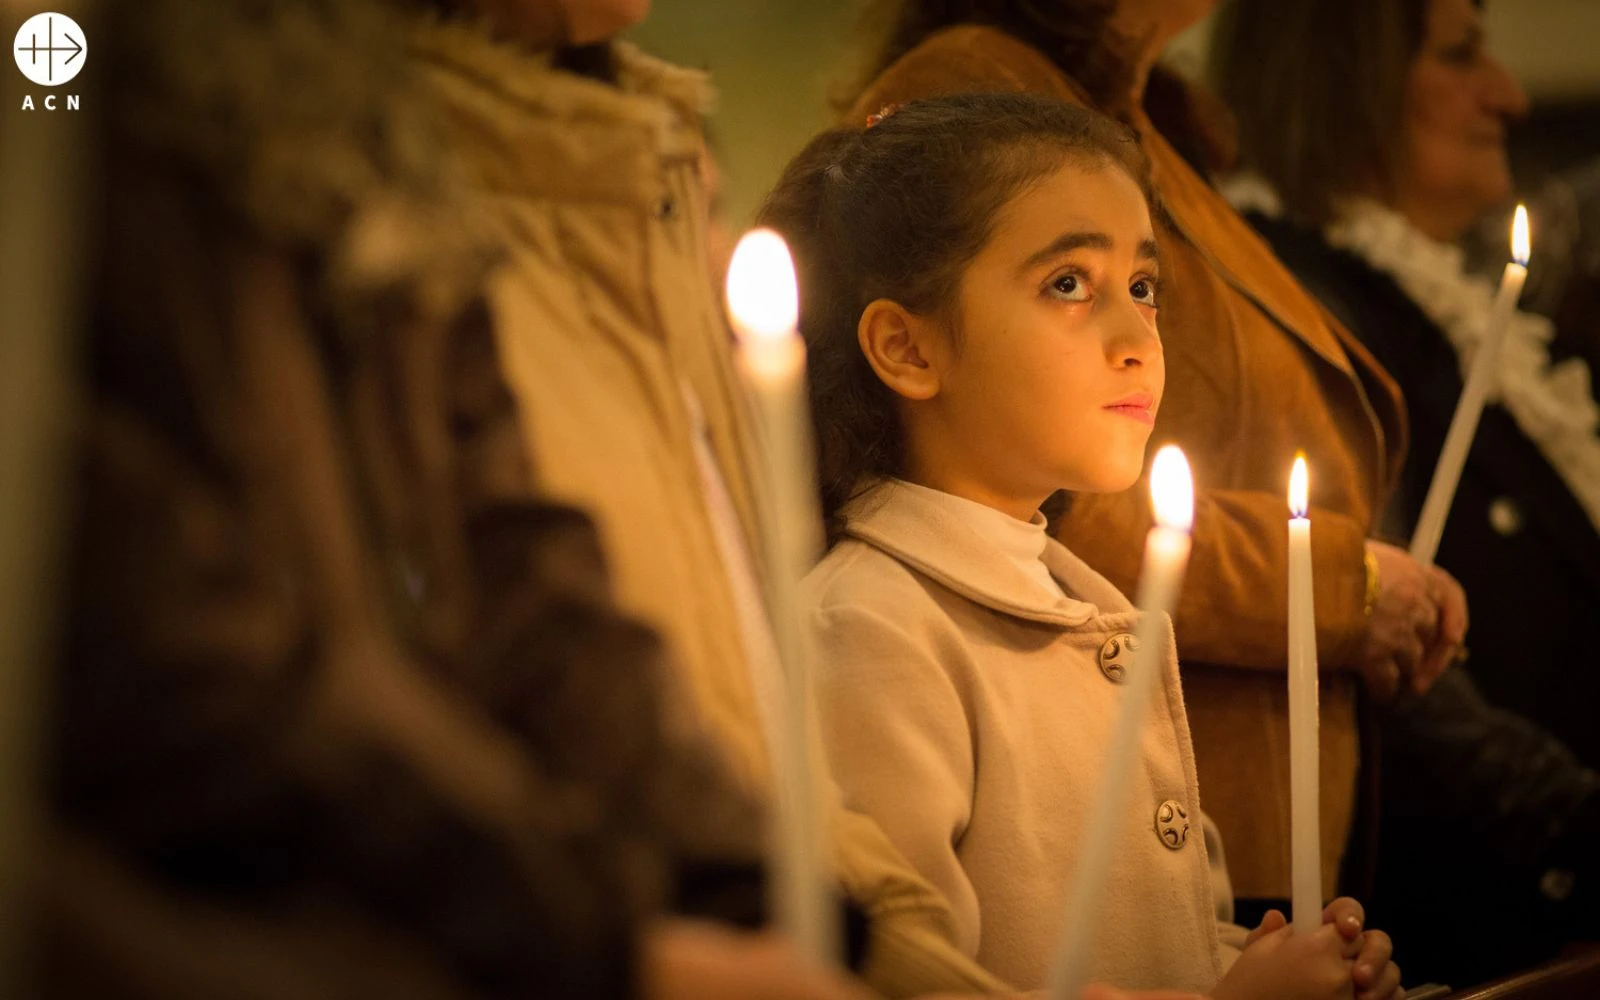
[{"x": 1553, "y": 405}]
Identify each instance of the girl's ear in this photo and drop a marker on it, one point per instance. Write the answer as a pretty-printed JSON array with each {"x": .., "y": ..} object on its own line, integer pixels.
[{"x": 900, "y": 346}]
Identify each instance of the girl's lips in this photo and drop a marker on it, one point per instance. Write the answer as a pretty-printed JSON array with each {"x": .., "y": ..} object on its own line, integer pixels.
[{"x": 1138, "y": 407}]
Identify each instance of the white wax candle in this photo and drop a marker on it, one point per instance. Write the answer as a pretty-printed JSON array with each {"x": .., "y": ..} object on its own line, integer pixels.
[
  {"x": 1464, "y": 425},
  {"x": 763, "y": 304},
  {"x": 1166, "y": 555},
  {"x": 1304, "y": 752}
]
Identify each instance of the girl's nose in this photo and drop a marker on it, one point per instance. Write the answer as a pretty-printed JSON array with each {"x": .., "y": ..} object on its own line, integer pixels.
[{"x": 1133, "y": 341}]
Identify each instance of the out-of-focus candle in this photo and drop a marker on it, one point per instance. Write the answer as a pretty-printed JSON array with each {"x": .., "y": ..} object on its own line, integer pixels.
[
  {"x": 1464, "y": 425},
  {"x": 763, "y": 303},
  {"x": 1166, "y": 556},
  {"x": 1304, "y": 751}
]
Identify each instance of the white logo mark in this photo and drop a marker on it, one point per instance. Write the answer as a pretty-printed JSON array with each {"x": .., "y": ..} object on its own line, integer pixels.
[{"x": 50, "y": 49}]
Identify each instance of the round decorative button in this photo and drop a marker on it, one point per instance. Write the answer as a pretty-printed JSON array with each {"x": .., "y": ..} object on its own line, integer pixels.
[
  {"x": 1557, "y": 884},
  {"x": 1116, "y": 654},
  {"x": 1505, "y": 517},
  {"x": 1172, "y": 824}
]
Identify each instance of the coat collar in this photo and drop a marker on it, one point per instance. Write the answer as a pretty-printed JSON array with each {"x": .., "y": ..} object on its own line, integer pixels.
[
  {"x": 585, "y": 139},
  {"x": 935, "y": 542},
  {"x": 527, "y": 76}
]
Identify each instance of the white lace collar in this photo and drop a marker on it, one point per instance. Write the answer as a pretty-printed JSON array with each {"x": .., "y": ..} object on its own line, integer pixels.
[{"x": 1552, "y": 404}]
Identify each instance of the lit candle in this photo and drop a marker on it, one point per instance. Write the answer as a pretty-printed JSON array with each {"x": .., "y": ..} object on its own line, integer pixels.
[
  {"x": 1304, "y": 807},
  {"x": 1464, "y": 425},
  {"x": 763, "y": 303},
  {"x": 1166, "y": 555}
]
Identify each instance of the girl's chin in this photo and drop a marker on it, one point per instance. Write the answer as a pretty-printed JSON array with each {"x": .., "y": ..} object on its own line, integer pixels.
[{"x": 1105, "y": 480}]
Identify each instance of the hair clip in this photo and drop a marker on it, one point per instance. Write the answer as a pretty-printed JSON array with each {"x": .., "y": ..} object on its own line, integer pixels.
[{"x": 882, "y": 113}]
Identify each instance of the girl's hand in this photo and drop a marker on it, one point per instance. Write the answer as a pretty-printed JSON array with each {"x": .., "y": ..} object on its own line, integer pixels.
[
  {"x": 1375, "y": 974},
  {"x": 1278, "y": 964},
  {"x": 1376, "y": 977}
]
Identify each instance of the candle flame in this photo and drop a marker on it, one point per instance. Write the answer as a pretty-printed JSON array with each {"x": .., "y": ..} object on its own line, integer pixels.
[
  {"x": 763, "y": 300},
  {"x": 1299, "y": 487},
  {"x": 1172, "y": 489},
  {"x": 1521, "y": 243}
]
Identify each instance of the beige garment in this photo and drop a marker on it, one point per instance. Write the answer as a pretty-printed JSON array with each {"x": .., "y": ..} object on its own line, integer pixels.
[
  {"x": 605, "y": 312},
  {"x": 967, "y": 711}
]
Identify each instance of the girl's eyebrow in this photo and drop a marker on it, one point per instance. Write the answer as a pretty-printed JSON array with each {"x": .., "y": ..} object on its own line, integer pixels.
[{"x": 1068, "y": 242}]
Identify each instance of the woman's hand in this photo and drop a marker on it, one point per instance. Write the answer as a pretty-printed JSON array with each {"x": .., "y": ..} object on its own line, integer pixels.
[
  {"x": 1403, "y": 625},
  {"x": 1446, "y": 648}
]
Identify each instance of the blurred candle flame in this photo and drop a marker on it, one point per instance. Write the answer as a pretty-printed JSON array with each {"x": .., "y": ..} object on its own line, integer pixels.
[
  {"x": 1521, "y": 242},
  {"x": 1172, "y": 489},
  {"x": 763, "y": 299}
]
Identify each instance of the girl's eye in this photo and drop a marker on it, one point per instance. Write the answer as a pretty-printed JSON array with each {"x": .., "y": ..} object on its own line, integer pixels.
[
  {"x": 1143, "y": 291},
  {"x": 1070, "y": 287}
]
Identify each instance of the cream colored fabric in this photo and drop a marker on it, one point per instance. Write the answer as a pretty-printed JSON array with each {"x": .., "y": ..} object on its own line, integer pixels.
[
  {"x": 1021, "y": 542},
  {"x": 605, "y": 311},
  {"x": 967, "y": 712}
]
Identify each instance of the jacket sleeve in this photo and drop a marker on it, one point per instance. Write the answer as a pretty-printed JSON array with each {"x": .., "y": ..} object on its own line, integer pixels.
[
  {"x": 1230, "y": 936},
  {"x": 897, "y": 738}
]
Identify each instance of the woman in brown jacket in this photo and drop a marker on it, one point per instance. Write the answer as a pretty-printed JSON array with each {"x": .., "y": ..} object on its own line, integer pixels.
[{"x": 1256, "y": 370}]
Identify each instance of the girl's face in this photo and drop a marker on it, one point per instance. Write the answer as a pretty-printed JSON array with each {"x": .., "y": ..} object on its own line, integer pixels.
[
  {"x": 1457, "y": 103},
  {"x": 1055, "y": 372}
]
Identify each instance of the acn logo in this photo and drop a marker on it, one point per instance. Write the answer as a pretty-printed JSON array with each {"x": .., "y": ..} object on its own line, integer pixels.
[{"x": 50, "y": 49}]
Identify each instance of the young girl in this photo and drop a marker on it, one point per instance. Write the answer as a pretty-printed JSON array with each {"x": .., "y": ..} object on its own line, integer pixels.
[{"x": 980, "y": 287}]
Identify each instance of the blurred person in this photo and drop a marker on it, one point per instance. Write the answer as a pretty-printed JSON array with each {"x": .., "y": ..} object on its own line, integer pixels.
[
  {"x": 1369, "y": 157},
  {"x": 1256, "y": 370},
  {"x": 345, "y": 707}
]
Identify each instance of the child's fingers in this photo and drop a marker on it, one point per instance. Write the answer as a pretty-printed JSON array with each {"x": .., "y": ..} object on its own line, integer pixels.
[
  {"x": 1386, "y": 987},
  {"x": 1272, "y": 920},
  {"x": 1346, "y": 914},
  {"x": 1376, "y": 950},
  {"x": 1100, "y": 991}
]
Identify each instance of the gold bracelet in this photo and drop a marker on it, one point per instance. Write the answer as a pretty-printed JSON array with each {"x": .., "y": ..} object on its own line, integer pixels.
[{"x": 1373, "y": 583}]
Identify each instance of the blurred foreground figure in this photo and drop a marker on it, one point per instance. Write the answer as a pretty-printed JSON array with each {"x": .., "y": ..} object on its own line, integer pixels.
[{"x": 342, "y": 710}]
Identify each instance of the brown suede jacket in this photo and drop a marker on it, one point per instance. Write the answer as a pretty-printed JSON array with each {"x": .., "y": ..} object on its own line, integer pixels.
[{"x": 1256, "y": 370}]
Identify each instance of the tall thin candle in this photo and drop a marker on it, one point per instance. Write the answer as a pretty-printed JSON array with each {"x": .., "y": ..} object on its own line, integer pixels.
[
  {"x": 1464, "y": 425},
  {"x": 763, "y": 302},
  {"x": 1166, "y": 555},
  {"x": 1304, "y": 753}
]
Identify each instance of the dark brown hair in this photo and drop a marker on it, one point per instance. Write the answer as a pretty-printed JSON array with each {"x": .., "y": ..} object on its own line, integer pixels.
[
  {"x": 897, "y": 211},
  {"x": 1318, "y": 88}
]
